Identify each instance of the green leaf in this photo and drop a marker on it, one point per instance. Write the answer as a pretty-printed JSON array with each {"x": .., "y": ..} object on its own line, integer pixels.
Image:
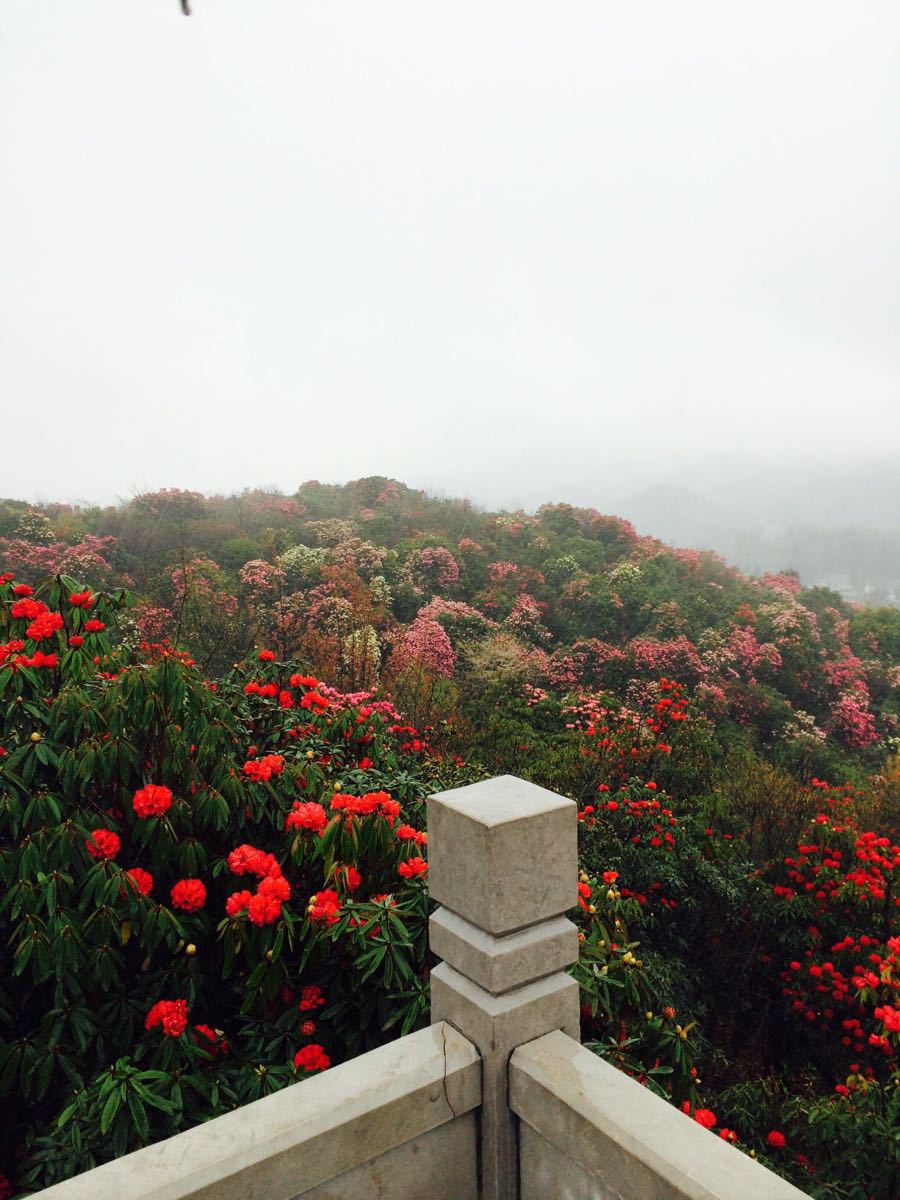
[{"x": 109, "y": 1111}]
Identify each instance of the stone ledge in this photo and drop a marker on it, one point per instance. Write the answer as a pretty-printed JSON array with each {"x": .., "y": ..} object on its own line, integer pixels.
[
  {"x": 628, "y": 1141},
  {"x": 500, "y": 964},
  {"x": 304, "y": 1135}
]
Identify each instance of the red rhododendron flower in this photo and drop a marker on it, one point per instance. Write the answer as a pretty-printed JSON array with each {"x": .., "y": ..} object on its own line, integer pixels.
[
  {"x": 152, "y": 800},
  {"x": 413, "y": 868},
  {"x": 237, "y": 903},
  {"x": 705, "y": 1117},
  {"x": 261, "y": 770},
  {"x": 306, "y": 816},
  {"x": 306, "y": 681},
  {"x": 263, "y": 909},
  {"x": 312, "y": 1058},
  {"x": 28, "y": 609},
  {"x": 265, "y": 906},
  {"x": 23, "y": 589},
  {"x": 314, "y": 700},
  {"x": 357, "y": 806},
  {"x": 189, "y": 895},
  {"x": 308, "y": 1028},
  {"x": 389, "y": 808},
  {"x": 170, "y": 1014},
  {"x": 37, "y": 661},
  {"x": 350, "y": 876},
  {"x": 44, "y": 626},
  {"x": 267, "y": 656},
  {"x": 775, "y": 1138},
  {"x": 310, "y": 998},
  {"x": 211, "y": 1040},
  {"x": 324, "y": 906},
  {"x": 247, "y": 860},
  {"x": 93, "y": 626},
  {"x": 103, "y": 843},
  {"x": 142, "y": 880},
  {"x": 890, "y": 1016},
  {"x": 81, "y": 600},
  {"x": 76, "y": 640}
]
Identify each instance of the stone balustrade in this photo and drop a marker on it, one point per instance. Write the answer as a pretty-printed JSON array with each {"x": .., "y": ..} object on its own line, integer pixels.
[
  {"x": 397, "y": 1123},
  {"x": 497, "y": 1100},
  {"x": 588, "y": 1132}
]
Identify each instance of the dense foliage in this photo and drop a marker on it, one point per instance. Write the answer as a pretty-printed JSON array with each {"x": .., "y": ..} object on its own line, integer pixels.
[{"x": 214, "y": 871}]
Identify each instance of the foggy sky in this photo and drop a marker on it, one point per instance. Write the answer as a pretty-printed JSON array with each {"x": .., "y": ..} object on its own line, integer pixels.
[{"x": 489, "y": 248}]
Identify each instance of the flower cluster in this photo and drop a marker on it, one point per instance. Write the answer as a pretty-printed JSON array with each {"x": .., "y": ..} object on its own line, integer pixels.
[
  {"x": 171, "y": 1015},
  {"x": 152, "y": 800},
  {"x": 263, "y": 907}
]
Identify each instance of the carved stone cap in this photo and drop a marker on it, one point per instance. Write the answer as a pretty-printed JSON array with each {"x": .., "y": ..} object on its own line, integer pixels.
[{"x": 503, "y": 853}]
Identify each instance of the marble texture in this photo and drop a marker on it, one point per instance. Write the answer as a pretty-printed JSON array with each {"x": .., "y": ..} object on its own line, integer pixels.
[
  {"x": 503, "y": 853},
  {"x": 499, "y": 964},
  {"x": 440, "y": 1165},
  {"x": 297, "y": 1140},
  {"x": 588, "y": 1132}
]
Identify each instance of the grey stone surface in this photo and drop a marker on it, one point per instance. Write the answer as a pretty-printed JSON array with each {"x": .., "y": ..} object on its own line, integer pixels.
[
  {"x": 503, "y": 863},
  {"x": 496, "y": 1025},
  {"x": 438, "y": 1165},
  {"x": 500, "y": 1023},
  {"x": 588, "y": 1132},
  {"x": 503, "y": 853},
  {"x": 549, "y": 1174},
  {"x": 300, "y": 1138},
  {"x": 501, "y": 964}
]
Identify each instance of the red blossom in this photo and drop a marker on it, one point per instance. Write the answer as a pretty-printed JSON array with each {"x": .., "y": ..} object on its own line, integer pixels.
[
  {"x": 189, "y": 895},
  {"x": 171, "y": 1015},
  {"x": 141, "y": 880},
  {"x": 312, "y": 1058},
  {"x": 152, "y": 800},
  {"x": 103, "y": 843}
]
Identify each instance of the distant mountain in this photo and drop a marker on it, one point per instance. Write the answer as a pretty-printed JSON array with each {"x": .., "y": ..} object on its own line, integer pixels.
[{"x": 679, "y": 516}]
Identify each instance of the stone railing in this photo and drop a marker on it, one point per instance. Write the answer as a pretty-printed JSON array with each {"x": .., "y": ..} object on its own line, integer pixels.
[
  {"x": 497, "y": 1099},
  {"x": 398, "y": 1122},
  {"x": 586, "y": 1130}
]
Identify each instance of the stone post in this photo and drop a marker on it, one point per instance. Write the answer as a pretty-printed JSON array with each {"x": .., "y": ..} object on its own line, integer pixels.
[{"x": 503, "y": 863}]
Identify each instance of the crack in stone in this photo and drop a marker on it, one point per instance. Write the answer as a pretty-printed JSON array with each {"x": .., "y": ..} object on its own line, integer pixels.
[{"x": 444, "y": 1078}]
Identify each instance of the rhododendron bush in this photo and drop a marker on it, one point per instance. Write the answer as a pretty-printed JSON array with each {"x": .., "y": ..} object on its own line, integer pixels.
[{"x": 210, "y": 889}]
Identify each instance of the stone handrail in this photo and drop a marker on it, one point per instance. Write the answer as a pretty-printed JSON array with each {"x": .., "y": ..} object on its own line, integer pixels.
[
  {"x": 397, "y": 1123},
  {"x": 588, "y": 1131}
]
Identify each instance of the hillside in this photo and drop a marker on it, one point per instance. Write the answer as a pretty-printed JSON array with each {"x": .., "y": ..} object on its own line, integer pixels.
[
  {"x": 198, "y": 688},
  {"x": 359, "y": 580}
]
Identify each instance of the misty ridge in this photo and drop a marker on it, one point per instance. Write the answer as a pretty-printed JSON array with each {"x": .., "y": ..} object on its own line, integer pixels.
[{"x": 837, "y": 527}]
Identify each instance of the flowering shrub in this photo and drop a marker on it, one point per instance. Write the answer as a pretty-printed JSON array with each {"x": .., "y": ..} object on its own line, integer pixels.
[
  {"x": 424, "y": 645},
  {"x": 208, "y": 887}
]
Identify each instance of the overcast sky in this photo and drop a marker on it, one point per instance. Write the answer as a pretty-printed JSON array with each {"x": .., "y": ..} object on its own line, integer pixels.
[{"x": 481, "y": 247}]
